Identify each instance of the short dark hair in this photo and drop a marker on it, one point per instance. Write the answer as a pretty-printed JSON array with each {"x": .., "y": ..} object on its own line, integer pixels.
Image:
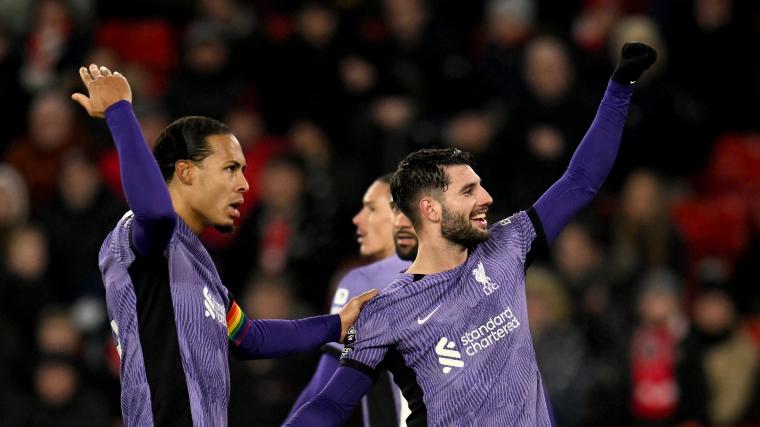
[
  {"x": 186, "y": 139},
  {"x": 420, "y": 171},
  {"x": 385, "y": 179}
]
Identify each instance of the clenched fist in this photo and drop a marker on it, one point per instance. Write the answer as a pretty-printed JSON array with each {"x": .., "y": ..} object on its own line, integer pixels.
[{"x": 635, "y": 58}]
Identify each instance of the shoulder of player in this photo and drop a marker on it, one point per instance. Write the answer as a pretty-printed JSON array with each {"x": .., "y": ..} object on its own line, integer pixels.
[{"x": 387, "y": 296}]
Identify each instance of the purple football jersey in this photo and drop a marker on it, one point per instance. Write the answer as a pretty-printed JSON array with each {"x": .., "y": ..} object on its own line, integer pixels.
[
  {"x": 377, "y": 408},
  {"x": 463, "y": 335},
  {"x": 168, "y": 315}
]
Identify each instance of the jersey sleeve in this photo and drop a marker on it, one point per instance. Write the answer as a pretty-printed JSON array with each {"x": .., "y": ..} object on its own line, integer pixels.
[
  {"x": 369, "y": 340},
  {"x": 522, "y": 230}
]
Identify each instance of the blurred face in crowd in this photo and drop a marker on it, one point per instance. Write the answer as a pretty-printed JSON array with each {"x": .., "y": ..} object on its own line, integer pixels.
[
  {"x": 216, "y": 184},
  {"x": 643, "y": 198},
  {"x": 464, "y": 206},
  {"x": 56, "y": 383},
  {"x": 26, "y": 254},
  {"x": 547, "y": 68},
  {"x": 404, "y": 236},
  {"x": 50, "y": 121},
  {"x": 657, "y": 306},
  {"x": 374, "y": 222},
  {"x": 283, "y": 186},
  {"x": 575, "y": 252}
]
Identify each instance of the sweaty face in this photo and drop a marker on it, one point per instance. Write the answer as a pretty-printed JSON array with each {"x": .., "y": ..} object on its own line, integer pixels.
[
  {"x": 404, "y": 235},
  {"x": 464, "y": 206},
  {"x": 373, "y": 222},
  {"x": 220, "y": 184}
]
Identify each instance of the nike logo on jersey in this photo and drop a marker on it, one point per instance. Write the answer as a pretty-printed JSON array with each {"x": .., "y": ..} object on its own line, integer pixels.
[{"x": 426, "y": 318}]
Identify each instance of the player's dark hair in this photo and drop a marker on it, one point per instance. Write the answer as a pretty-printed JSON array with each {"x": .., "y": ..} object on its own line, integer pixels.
[
  {"x": 385, "y": 179},
  {"x": 186, "y": 139},
  {"x": 423, "y": 171}
]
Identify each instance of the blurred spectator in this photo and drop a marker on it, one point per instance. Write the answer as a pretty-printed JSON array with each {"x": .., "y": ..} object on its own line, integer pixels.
[
  {"x": 39, "y": 155},
  {"x": 591, "y": 29},
  {"x": 721, "y": 364},
  {"x": 60, "y": 398},
  {"x": 15, "y": 98},
  {"x": 24, "y": 280},
  {"x": 722, "y": 83},
  {"x": 300, "y": 75},
  {"x": 643, "y": 234},
  {"x": 77, "y": 218},
  {"x": 55, "y": 44},
  {"x": 664, "y": 121},
  {"x": 206, "y": 85},
  {"x": 281, "y": 235},
  {"x": 545, "y": 124},
  {"x": 268, "y": 388},
  {"x": 14, "y": 201},
  {"x": 661, "y": 326},
  {"x": 509, "y": 24},
  {"x": 560, "y": 346},
  {"x": 579, "y": 258}
]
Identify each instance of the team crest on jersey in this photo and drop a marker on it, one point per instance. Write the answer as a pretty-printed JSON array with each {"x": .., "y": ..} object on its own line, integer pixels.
[{"x": 480, "y": 275}]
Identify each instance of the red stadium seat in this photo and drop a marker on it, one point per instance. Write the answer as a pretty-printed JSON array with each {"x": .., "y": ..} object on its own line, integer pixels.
[
  {"x": 735, "y": 164},
  {"x": 148, "y": 43},
  {"x": 714, "y": 226}
]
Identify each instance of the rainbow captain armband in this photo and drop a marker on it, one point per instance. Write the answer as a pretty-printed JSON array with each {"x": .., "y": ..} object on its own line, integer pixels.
[{"x": 237, "y": 324}]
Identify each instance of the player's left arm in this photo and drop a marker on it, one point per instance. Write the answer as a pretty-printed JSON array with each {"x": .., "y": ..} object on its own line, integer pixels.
[
  {"x": 595, "y": 156},
  {"x": 264, "y": 339}
]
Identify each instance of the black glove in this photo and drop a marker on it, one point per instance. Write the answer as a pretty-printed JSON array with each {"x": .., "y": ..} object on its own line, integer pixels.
[{"x": 635, "y": 58}]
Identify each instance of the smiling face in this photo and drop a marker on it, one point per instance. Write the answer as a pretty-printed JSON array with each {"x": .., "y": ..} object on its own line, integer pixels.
[
  {"x": 216, "y": 184},
  {"x": 464, "y": 205},
  {"x": 374, "y": 222}
]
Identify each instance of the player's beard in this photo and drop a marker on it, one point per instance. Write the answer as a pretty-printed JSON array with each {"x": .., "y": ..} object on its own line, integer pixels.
[
  {"x": 458, "y": 229},
  {"x": 407, "y": 252}
]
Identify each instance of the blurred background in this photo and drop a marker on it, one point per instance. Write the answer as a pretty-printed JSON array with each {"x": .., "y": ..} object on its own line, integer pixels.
[{"x": 647, "y": 309}]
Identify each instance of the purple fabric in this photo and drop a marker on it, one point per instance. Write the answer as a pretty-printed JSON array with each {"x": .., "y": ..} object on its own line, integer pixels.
[
  {"x": 144, "y": 187},
  {"x": 264, "y": 339},
  {"x": 325, "y": 369},
  {"x": 335, "y": 402},
  {"x": 590, "y": 165}
]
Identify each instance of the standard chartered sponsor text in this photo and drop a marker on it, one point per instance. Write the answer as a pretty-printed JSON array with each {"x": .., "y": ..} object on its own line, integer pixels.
[{"x": 496, "y": 328}]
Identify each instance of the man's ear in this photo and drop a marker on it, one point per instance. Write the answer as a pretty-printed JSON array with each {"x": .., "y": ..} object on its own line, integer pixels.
[
  {"x": 430, "y": 209},
  {"x": 184, "y": 171}
]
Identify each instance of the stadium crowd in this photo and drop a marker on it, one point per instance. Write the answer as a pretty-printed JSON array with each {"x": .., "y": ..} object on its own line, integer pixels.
[{"x": 647, "y": 309}]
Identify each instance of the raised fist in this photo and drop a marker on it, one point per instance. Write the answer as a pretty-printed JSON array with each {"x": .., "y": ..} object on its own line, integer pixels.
[{"x": 635, "y": 58}]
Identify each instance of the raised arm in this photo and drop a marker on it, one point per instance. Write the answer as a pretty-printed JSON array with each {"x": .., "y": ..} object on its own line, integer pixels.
[
  {"x": 335, "y": 402},
  {"x": 144, "y": 187},
  {"x": 594, "y": 157},
  {"x": 263, "y": 339}
]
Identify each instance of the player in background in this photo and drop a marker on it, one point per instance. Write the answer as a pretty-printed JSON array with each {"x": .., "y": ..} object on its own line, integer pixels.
[
  {"x": 384, "y": 234},
  {"x": 457, "y": 317},
  {"x": 173, "y": 320}
]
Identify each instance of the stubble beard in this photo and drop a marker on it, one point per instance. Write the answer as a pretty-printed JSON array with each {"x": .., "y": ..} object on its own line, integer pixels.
[{"x": 457, "y": 229}]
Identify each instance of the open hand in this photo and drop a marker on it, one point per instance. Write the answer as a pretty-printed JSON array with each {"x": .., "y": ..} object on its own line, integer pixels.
[{"x": 105, "y": 89}]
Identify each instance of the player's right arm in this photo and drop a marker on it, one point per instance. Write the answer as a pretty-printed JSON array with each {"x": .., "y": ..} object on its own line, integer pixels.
[
  {"x": 335, "y": 402},
  {"x": 329, "y": 361},
  {"x": 365, "y": 348},
  {"x": 110, "y": 97}
]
